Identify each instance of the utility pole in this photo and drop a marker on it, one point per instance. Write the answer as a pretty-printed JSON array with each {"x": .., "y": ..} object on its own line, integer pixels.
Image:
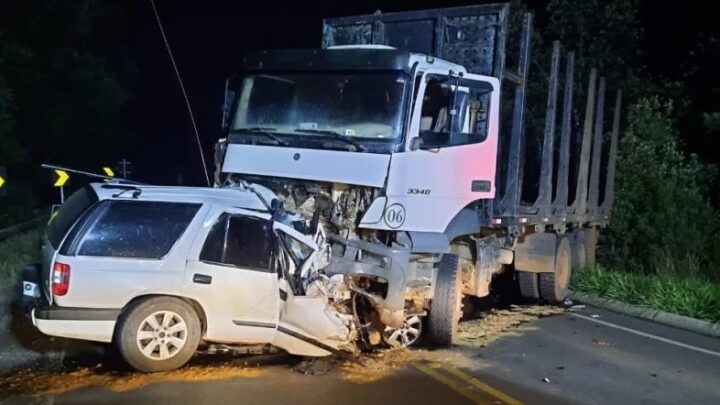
[{"x": 124, "y": 166}]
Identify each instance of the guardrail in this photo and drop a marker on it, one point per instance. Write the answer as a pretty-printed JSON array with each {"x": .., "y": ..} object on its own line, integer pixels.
[{"x": 21, "y": 227}]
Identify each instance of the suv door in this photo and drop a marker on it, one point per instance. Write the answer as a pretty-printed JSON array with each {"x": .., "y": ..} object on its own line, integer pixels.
[
  {"x": 235, "y": 279},
  {"x": 309, "y": 325}
]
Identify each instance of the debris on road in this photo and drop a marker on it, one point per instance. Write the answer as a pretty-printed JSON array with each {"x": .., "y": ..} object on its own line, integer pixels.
[
  {"x": 364, "y": 369},
  {"x": 473, "y": 333},
  {"x": 42, "y": 382},
  {"x": 574, "y": 308},
  {"x": 316, "y": 365},
  {"x": 376, "y": 366},
  {"x": 595, "y": 316},
  {"x": 601, "y": 343},
  {"x": 547, "y": 380},
  {"x": 499, "y": 323},
  {"x": 381, "y": 364}
]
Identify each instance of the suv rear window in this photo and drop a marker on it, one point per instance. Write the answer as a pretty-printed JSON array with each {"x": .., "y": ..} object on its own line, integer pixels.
[
  {"x": 136, "y": 229},
  {"x": 68, "y": 213}
]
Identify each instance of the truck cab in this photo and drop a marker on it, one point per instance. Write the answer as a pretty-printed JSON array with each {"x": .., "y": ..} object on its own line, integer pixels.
[
  {"x": 372, "y": 138},
  {"x": 366, "y": 116}
]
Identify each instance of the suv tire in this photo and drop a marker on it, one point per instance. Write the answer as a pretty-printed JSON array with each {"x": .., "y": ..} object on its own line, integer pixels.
[{"x": 158, "y": 334}]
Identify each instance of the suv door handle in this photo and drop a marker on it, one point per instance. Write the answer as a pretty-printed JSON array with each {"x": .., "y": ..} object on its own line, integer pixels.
[{"x": 202, "y": 278}]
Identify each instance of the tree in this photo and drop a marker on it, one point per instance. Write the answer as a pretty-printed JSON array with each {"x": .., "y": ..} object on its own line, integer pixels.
[
  {"x": 59, "y": 99},
  {"x": 662, "y": 219}
]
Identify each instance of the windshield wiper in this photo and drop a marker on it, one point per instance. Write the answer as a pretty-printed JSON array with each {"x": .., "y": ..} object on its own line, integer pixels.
[
  {"x": 335, "y": 135},
  {"x": 261, "y": 131}
]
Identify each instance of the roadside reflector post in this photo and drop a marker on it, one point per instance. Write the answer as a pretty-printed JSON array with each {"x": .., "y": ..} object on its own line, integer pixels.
[
  {"x": 60, "y": 182},
  {"x": 3, "y": 177}
]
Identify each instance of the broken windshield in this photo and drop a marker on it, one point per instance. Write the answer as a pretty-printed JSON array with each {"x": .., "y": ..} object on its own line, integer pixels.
[{"x": 365, "y": 105}]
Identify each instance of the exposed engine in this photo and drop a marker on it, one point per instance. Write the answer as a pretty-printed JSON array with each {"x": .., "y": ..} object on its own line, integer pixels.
[{"x": 339, "y": 207}]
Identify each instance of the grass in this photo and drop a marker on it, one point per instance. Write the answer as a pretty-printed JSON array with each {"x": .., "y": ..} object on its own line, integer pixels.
[
  {"x": 15, "y": 253},
  {"x": 695, "y": 297}
]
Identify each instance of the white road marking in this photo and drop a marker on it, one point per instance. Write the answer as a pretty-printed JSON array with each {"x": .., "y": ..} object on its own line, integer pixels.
[{"x": 648, "y": 335}]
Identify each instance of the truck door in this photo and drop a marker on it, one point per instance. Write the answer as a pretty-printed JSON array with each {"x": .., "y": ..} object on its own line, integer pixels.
[
  {"x": 236, "y": 279},
  {"x": 451, "y": 153}
]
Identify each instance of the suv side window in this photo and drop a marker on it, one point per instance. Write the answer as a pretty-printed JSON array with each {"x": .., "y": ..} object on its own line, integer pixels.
[
  {"x": 239, "y": 241},
  {"x": 136, "y": 229}
]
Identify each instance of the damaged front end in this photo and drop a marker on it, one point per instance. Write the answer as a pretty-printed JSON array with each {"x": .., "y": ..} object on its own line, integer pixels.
[
  {"x": 343, "y": 293},
  {"x": 375, "y": 272}
]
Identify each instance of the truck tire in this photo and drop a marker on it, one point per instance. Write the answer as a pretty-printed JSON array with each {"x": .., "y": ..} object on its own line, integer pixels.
[
  {"x": 554, "y": 286},
  {"x": 528, "y": 282},
  {"x": 158, "y": 334},
  {"x": 591, "y": 239},
  {"x": 446, "y": 307}
]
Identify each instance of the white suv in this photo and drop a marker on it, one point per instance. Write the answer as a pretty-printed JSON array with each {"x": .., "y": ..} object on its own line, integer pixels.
[{"x": 158, "y": 269}]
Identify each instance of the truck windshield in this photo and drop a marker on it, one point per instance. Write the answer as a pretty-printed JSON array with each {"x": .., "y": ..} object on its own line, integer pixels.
[{"x": 359, "y": 105}]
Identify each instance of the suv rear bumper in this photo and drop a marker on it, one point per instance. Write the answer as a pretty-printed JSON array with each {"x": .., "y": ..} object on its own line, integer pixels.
[{"x": 76, "y": 323}]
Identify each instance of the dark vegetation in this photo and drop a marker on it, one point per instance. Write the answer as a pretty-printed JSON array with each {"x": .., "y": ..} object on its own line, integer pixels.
[{"x": 664, "y": 222}]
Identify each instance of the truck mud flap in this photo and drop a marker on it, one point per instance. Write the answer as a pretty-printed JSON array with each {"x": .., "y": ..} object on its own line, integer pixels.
[{"x": 536, "y": 253}]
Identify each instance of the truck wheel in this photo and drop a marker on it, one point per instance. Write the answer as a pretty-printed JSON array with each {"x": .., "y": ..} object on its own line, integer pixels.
[
  {"x": 158, "y": 334},
  {"x": 446, "y": 306},
  {"x": 553, "y": 286},
  {"x": 528, "y": 285}
]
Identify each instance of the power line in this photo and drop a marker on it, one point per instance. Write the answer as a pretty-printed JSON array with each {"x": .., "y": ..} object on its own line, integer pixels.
[{"x": 182, "y": 87}]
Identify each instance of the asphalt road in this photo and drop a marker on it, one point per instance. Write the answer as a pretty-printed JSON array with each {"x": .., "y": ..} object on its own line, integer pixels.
[{"x": 585, "y": 357}]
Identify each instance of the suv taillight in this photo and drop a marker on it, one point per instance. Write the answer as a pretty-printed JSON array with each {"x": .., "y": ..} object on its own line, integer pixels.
[{"x": 60, "y": 278}]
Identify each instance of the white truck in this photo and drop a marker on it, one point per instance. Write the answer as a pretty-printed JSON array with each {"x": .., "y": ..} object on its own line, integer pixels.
[{"x": 391, "y": 138}]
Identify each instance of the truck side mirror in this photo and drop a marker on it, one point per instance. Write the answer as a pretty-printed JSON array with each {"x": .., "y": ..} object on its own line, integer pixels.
[{"x": 416, "y": 143}]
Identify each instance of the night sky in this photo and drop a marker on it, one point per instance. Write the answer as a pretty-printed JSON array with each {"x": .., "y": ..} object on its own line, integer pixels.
[{"x": 208, "y": 37}]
